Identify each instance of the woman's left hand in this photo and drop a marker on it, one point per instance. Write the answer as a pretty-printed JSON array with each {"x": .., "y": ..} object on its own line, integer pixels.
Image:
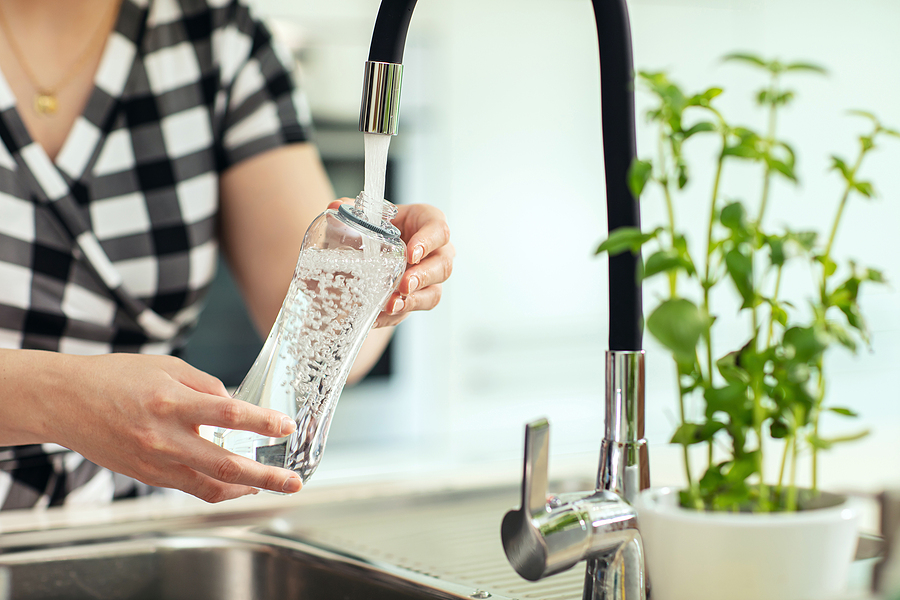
[{"x": 429, "y": 257}]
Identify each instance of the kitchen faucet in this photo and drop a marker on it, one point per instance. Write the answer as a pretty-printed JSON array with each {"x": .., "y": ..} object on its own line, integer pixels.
[{"x": 546, "y": 536}]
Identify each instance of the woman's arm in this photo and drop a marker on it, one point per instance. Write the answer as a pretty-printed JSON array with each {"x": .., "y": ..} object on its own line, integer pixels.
[{"x": 138, "y": 415}]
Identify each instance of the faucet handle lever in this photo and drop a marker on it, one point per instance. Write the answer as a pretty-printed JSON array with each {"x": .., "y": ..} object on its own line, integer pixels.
[{"x": 535, "y": 480}]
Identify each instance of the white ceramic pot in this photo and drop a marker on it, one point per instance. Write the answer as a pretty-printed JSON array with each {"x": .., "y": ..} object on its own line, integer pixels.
[{"x": 693, "y": 555}]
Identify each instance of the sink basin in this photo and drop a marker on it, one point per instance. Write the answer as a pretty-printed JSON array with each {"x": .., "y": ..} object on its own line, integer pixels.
[
  {"x": 239, "y": 565},
  {"x": 443, "y": 545}
]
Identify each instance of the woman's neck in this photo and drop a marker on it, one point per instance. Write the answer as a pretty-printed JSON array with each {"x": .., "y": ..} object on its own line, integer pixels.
[{"x": 49, "y": 52}]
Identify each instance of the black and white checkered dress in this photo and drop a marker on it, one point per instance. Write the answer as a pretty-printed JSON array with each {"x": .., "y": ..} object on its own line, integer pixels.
[{"x": 112, "y": 246}]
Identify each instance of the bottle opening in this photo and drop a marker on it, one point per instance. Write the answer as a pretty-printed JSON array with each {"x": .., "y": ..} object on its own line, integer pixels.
[{"x": 357, "y": 214}]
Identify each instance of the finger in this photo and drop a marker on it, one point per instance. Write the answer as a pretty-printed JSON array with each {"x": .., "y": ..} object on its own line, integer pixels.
[
  {"x": 424, "y": 299},
  {"x": 335, "y": 204},
  {"x": 196, "y": 379},
  {"x": 431, "y": 232},
  {"x": 230, "y": 468},
  {"x": 435, "y": 269},
  {"x": 238, "y": 414},
  {"x": 203, "y": 486},
  {"x": 387, "y": 320}
]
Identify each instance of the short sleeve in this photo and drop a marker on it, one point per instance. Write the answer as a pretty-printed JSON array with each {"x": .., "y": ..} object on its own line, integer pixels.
[{"x": 259, "y": 107}]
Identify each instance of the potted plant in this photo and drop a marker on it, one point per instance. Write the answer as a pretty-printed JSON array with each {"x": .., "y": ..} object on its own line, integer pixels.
[{"x": 737, "y": 530}]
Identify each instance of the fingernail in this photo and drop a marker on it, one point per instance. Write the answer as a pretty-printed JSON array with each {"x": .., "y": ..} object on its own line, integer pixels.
[
  {"x": 292, "y": 485},
  {"x": 398, "y": 306},
  {"x": 418, "y": 251},
  {"x": 287, "y": 426},
  {"x": 413, "y": 284}
]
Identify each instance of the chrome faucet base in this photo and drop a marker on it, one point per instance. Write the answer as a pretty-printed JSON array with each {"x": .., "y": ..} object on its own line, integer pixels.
[
  {"x": 546, "y": 536},
  {"x": 624, "y": 468}
]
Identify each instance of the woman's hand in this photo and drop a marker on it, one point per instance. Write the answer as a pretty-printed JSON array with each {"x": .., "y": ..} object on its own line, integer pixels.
[
  {"x": 429, "y": 257},
  {"x": 140, "y": 415}
]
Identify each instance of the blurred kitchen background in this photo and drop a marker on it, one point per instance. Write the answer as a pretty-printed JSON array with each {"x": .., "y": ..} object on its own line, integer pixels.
[{"x": 500, "y": 128}]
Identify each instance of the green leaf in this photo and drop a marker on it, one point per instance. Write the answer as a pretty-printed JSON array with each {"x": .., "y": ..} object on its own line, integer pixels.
[
  {"x": 743, "y": 150},
  {"x": 774, "y": 97},
  {"x": 678, "y": 324},
  {"x": 865, "y": 188},
  {"x": 779, "y": 315},
  {"x": 842, "y": 336},
  {"x": 638, "y": 175},
  {"x": 776, "y": 250},
  {"x": 682, "y": 175},
  {"x": 740, "y": 269},
  {"x": 838, "y": 164},
  {"x": 867, "y": 142},
  {"x": 665, "y": 261},
  {"x": 688, "y": 434},
  {"x": 747, "y": 58},
  {"x": 826, "y": 443},
  {"x": 742, "y": 468},
  {"x": 731, "y": 399},
  {"x": 626, "y": 238},
  {"x": 804, "y": 66},
  {"x": 873, "y": 275},
  {"x": 684, "y": 435},
  {"x": 711, "y": 480},
  {"x": 827, "y": 264},
  {"x": 806, "y": 343},
  {"x": 702, "y": 126},
  {"x": 778, "y": 429},
  {"x": 734, "y": 217},
  {"x": 730, "y": 369},
  {"x": 842, "y": 411},
  {"x": 865, "y": 114},
  {"x": 704, "y": 98},
  {"x": 781, "y": 167},
  {"x": 804, "y": 239}
]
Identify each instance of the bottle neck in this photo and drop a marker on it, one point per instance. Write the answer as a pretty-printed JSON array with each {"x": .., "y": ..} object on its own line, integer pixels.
[{"x": 363, "y": 207}]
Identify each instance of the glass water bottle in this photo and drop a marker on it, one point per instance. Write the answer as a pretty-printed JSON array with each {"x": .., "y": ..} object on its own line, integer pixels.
[{"x": 348, "y": 267}]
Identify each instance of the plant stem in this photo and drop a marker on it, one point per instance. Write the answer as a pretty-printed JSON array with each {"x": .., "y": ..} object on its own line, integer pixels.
[
  {"x": 693, "y": 492},
  {"x": 757, "y": 427},
  {"x": 840, "y": 212},
  {"x": 709, "y": 252},
  {"x": 770, "y": 142},
  {"x": 826, "y": 258},
  {"x": 784, "y": 455},
  {"x": 817, "y": 410},
  {"x": 774, "y": 300},
  {"x": 708, "y": 269},
  {"x": 757, "y": 392},
  {"x": 670, "y": 208},
  {"x": 791, "y": 502}
]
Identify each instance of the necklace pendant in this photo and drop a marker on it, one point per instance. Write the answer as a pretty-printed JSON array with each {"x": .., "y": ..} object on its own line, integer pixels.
[{"x": 45, "y": 103}]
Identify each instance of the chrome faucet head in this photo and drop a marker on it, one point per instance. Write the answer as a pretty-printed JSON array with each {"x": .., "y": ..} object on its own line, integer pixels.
[{"x": 380, "y": 107}]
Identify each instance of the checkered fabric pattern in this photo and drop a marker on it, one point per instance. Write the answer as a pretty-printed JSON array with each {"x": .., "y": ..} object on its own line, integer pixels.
[{"x": 112, "y": 246}]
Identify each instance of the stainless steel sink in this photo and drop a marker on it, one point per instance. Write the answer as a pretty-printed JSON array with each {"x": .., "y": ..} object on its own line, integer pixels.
[
  {"x": 220, "y": 565},
  {"x": 436, "y": 545}
]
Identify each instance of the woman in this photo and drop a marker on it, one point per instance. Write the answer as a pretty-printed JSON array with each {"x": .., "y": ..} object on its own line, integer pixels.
[{"x": 138, "y": 138}]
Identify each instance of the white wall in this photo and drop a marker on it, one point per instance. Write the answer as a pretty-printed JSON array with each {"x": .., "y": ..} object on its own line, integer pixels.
[{"x": 500, "y": 129}]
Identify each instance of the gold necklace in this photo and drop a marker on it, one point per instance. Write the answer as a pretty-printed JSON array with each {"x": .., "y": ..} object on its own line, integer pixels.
[{"x": 46, "y": 101}]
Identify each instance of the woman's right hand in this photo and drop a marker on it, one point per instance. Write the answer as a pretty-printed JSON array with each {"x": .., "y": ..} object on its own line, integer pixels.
[{"x": 140, "y": 415}]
